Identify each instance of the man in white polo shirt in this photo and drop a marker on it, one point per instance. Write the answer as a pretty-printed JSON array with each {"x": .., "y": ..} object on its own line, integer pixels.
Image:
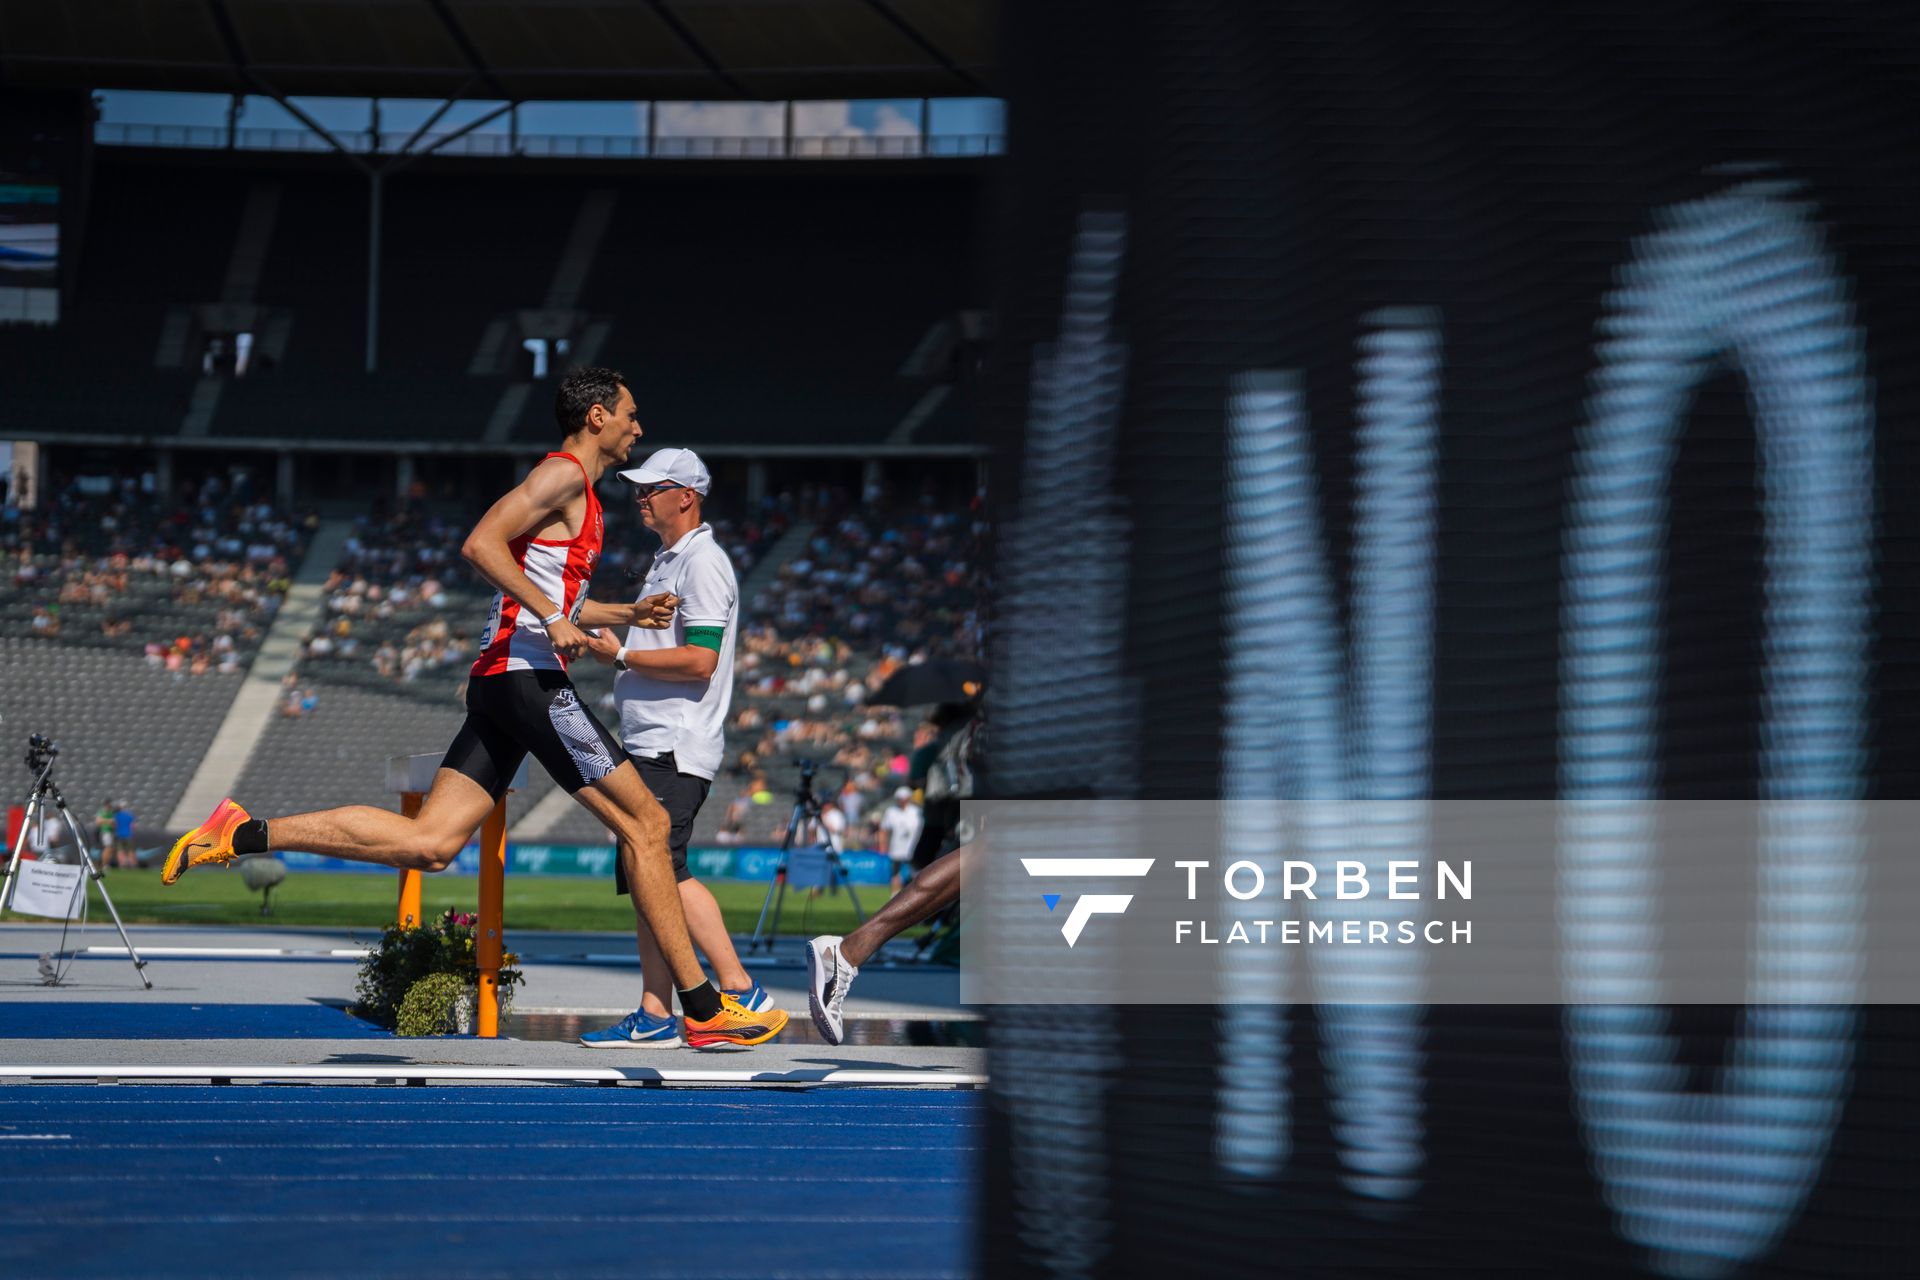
[
  {"x": 900, "y": 826},
  {"x": 673, "y": 688}
]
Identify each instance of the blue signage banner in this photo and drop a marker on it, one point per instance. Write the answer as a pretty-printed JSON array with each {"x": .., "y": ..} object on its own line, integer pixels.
[{"x": 807, "y": 867}]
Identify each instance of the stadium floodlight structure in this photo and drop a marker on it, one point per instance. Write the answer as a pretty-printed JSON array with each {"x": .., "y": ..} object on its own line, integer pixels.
[{"x": 375, "y": 171}]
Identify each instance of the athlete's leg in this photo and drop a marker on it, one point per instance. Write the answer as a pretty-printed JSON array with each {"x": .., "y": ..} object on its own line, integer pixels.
[
  {"x": 682, "y": 795},
  {"x": 640, "y": 826},
  {"x": 359, "y": 833},
  {"x": 708, "y": 927},
  {"x": 931, "y": 890},
  {"x": 833, "y": 963},
  {"x": 582, "y": 756},
  {"x": 474, "y": 773}
]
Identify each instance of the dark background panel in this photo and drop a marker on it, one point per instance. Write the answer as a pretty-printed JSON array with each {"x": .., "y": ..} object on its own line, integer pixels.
[{"x": 1286, "y": 169}]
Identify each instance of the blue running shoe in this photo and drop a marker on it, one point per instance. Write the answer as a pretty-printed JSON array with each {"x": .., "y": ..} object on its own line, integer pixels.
[
  {"x": 753, "y": 999},
  {"x": 637, "y": 1030}
]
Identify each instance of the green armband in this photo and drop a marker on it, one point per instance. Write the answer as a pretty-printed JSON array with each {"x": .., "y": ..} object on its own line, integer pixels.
[{"x": 706, "y": 637}]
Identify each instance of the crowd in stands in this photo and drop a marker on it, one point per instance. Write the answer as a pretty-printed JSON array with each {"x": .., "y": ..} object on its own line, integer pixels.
[
  {"x": 404, "y": 605},
  {"x": 629, "y": 547},
  {"x": 193, "y": 585},
  {"x": 401, "y": 601},
  {"x": 879, "y": 585},
  {"x": 903, "y": 576}
]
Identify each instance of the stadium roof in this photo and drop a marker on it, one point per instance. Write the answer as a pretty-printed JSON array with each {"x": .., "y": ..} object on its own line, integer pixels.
[{"x": 522, "y": 50}]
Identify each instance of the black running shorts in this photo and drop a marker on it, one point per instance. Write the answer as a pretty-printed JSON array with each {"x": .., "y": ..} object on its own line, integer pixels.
[
  {"x": 520, "y": 713},
  {"x": 681, "y": 795}
]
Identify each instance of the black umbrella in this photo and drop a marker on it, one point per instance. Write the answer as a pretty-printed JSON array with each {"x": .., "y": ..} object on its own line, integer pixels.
[{"x": 936, "y": 680}]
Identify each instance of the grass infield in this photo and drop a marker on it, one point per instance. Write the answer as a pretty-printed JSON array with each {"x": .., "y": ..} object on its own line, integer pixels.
[{"x": 216, "y": 895}]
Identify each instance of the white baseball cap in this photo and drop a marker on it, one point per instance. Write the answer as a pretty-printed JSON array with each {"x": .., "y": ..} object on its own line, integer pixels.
[
  {"x": 672, "y": 466},
  {"x": 904, "y": 793}
]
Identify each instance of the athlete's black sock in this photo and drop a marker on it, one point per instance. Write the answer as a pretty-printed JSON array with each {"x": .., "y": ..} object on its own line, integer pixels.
[
  {"x": 701, "y": 1003},
  {"x": 251, "y": 837}
]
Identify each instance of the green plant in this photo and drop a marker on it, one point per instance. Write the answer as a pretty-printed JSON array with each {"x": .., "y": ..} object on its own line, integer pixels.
[
  {"x": 428, "y": 1007},
  {"x": 402, "y": 957}
]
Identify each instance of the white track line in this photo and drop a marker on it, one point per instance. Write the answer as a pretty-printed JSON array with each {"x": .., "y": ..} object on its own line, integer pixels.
[
  {"x": 558, "y": 1075},
  {"x": 231, "y": 953},
  {"x": 916, "y": 1013}
]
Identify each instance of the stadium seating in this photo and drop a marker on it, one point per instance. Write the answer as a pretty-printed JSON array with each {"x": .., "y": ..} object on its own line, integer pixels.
[
  {"x": 873, "y": 584},
  {"x": 768, "y": 307},
  {"x": 123, "y": 572},
  {"x": 126, "y": 730},
  {"x": 403, "y": 611},
  {"x": 822, "y": 627},
  {"x": 337, "y": 752}
]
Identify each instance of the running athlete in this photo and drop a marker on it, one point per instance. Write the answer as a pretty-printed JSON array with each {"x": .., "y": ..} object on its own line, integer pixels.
[
  {"x": 834, "y": 962},
  {"x": 536, "y": 546}
]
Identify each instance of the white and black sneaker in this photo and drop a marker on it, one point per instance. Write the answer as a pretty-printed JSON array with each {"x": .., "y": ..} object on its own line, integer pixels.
[{"x": 828, "y": 977}]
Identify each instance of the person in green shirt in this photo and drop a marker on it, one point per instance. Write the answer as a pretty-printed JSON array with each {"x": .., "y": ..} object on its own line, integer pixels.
[{"x": 103, "y": 836}]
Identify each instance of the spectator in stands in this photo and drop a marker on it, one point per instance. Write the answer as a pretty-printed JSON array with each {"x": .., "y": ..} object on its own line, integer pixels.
[
  {"x": 832, "y": 830},
  {"x": 738, "y": 813},
  {"x": 41, "y": 836},
  {"x": 114, "y": 547},
  {"x": 851, "y": 802},
  {"x": 388, "y": 599},
  {"x": 103, "y": 834},
  {"x": 899, "y": 825},
  {"x": 123, "y": 820}
]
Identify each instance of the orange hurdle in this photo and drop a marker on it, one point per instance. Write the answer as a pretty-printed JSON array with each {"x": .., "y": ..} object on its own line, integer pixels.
[{"x": 412, "y": 777}]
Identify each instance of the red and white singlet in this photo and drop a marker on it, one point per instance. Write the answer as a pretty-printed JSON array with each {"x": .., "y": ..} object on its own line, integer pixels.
[{"x": 514, "y": 640}]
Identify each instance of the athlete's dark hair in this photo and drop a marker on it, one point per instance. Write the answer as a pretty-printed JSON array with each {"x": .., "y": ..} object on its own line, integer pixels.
[{"x": 582, "y": 389}]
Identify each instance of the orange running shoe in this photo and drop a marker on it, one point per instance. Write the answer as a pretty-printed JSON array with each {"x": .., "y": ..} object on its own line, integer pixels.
[
  {"x": 211, "y": 841},
  {"x": 735, "y": 1024}
]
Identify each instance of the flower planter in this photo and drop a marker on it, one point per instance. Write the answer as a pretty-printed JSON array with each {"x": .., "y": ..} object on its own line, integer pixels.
[{"x": 466, "y": 1010}]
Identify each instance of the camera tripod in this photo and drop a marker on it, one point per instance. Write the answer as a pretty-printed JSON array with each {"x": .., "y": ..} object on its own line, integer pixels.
[
  {"x": 45, "y": 792},
  {"x": 806, "y": 811}
]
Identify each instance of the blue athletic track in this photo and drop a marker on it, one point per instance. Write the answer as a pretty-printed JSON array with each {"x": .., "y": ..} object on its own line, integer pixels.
[
  {"x": 161, "y": 1181},
  {"x": 93, "y": 1020}
]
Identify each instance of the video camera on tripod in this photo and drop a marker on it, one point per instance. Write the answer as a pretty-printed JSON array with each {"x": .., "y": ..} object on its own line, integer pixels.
[
  {"x": 42, "y": 751},
  {"x": 806, "y": 816}
]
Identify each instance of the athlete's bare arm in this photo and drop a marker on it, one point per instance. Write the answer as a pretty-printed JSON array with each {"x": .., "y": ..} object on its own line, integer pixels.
[
  {"x": 545, "y": 498},
  {"x": 689, "y": 662},
  {"x": 654, "y": 612}
]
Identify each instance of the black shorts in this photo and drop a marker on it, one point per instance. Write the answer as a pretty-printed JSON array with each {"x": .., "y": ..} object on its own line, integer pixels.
[
  {"x": 520, "y": 713},
  {"x": 681, "y": 795}
]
